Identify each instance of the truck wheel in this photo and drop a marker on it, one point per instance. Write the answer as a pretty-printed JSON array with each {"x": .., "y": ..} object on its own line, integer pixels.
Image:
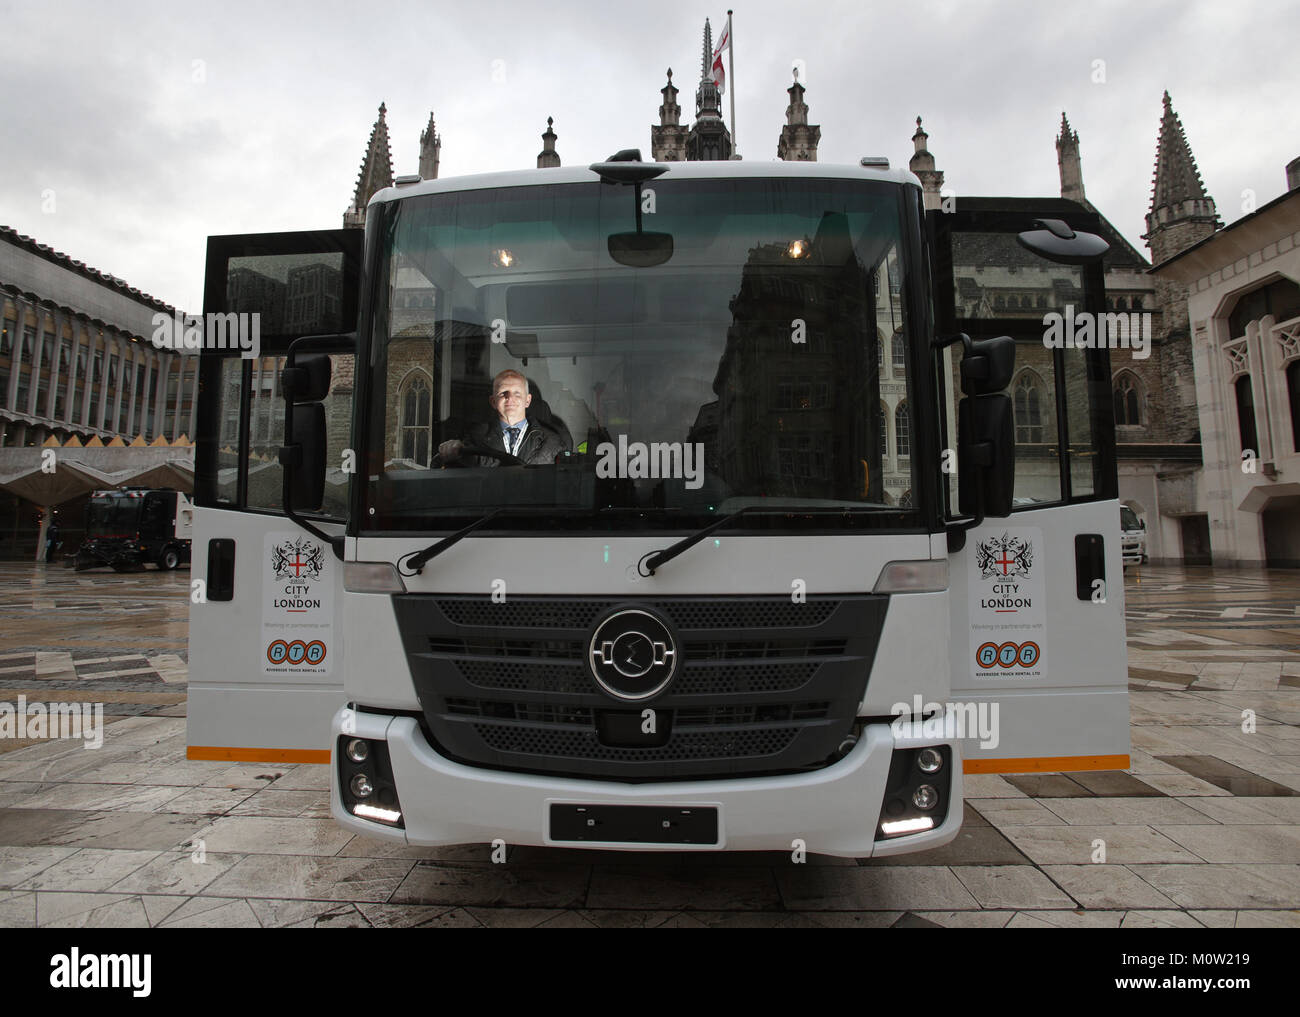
[{"x": 169, "y": 559}]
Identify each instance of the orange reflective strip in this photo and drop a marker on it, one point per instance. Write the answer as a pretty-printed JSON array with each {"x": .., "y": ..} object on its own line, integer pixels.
[
  {"x": 1045, "y": 764},
  {"x": 239, "y": 754}
]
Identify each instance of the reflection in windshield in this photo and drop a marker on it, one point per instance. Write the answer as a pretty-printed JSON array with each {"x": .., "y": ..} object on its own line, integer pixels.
[{"x": 749, "y": 368}]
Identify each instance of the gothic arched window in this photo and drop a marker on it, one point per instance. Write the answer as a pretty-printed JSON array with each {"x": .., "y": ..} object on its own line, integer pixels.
[
  {"x": 1246, "y": 414},
  {"x": 1293, "y": 395},
  {"x": 1027, "y": 402},
  {"x": 1280, "y": 298},
  {"x": 902, "y": 432},
  {"x": 1128, "y": 400},
  {"x": 416, "y": 419}
]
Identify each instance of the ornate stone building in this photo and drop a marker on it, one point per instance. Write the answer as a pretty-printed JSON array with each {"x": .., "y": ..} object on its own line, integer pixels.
[
  {"x": 1239, "y": 289},
  {"x": 1158, "y": 431},
  {"x": 1156, "y": 399},
  {"x": 709, "y": 137}
]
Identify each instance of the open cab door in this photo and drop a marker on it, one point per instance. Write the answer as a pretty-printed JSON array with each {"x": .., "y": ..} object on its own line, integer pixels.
[
  {"x": 1037, "y": 642},
  {"x": 265, "y": 651}
]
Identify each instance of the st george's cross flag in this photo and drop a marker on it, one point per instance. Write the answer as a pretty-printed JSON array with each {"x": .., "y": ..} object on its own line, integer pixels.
[{"x": 720, "y": 75}]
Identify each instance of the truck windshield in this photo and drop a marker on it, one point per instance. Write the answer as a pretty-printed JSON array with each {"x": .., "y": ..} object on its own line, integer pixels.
[
  {"x": 112, "y": 516},
  {"x": 764, "y": 360},
  {"x": 1128, "y": 519}
]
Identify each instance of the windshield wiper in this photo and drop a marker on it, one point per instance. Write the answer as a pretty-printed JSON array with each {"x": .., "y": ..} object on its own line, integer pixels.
[
  {"x": 647, "y": 565},
  {"x": 419, "y": 559}
]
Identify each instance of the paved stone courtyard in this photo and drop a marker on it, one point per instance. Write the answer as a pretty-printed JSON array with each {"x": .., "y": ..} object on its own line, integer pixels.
[{"x": 1204, "y": 830}]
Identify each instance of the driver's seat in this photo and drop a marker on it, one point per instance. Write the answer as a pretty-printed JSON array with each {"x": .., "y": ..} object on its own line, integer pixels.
[{"x": 540, "y": 410}]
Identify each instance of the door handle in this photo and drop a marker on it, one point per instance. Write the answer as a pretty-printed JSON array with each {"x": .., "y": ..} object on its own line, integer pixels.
[{"x": 1089, "y": 563}]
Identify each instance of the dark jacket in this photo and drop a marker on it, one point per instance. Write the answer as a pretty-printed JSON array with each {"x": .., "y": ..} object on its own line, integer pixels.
[{"x": 540, "y": 445}]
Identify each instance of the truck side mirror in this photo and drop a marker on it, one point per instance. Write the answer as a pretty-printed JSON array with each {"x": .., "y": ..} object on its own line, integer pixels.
[
  {"x": 308, "y": 380},
  {"x": 988, "y": 365},
  {"x": 1056, "y": 241},
  {"x": 304, "y": 382},
  {"x": 986, "y": 455},
  {"x": 303, "y": 458},
  {"x": 986, "y": 437}
]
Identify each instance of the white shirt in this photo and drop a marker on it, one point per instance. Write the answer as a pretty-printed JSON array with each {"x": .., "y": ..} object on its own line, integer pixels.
[{"x": 505, "y": 435}]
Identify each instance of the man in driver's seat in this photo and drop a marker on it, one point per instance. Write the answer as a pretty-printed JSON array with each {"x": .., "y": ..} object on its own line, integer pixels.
[{"x": 512, "y": 431}]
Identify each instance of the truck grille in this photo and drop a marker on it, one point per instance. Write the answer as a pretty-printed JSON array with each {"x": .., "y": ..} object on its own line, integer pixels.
[{"x": 764, "y": 685}]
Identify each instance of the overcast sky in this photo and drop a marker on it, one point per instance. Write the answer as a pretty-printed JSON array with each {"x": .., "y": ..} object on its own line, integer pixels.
[{"x": 130, "y": 132}]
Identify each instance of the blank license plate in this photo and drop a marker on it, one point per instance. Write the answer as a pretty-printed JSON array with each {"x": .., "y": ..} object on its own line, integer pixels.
[{"x": 635, "y": 824}]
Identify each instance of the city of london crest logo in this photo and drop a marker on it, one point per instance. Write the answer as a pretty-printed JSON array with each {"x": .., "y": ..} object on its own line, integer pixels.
[
  {"x": 1004, "y": 557},
  {"x": 298, "y": 559}
]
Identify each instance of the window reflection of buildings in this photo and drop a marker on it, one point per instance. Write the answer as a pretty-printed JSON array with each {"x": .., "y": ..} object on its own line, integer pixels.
[{"x": 791, "y": 416}]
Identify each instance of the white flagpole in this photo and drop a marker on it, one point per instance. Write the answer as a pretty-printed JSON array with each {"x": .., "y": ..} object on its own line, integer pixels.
[{"x": 731, "y": 73}]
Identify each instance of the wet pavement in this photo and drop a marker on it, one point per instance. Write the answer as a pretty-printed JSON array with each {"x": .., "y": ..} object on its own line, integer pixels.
[{"x": 1202, "y": 830}]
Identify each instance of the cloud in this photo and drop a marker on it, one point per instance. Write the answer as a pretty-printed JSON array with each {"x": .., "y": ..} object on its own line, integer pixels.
[{"x": 157, "y": 125}]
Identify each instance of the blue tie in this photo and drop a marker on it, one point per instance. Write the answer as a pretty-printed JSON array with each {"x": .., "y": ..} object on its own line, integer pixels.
[{"x": 514, "y": 437}]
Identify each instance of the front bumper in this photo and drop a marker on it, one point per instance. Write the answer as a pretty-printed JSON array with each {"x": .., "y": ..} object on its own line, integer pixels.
[{"x": 832, "y": 811}]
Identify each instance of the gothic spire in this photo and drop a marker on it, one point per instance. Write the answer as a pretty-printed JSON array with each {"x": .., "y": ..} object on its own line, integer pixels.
[
  {"x": 1182, "y": 214},
  {"x": 430, "y": 151},
  {"x": 799, "y": 139},
  {"x": 668, "y": 137},
  {"x": 708, "y": 98},
  {"x": 922, "y": 164},
  {"x": 670, "y": 112},
  {"x": 1176, "y": 178},
  {"x": 376, "y": 171},
  {"x": 1069, "y": 163},
  {"x": 548, "y": 157},
  {"x": 797, "y": 111}
]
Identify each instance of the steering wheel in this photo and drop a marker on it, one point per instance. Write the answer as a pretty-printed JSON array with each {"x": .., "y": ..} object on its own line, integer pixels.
[{"x": 504, "y": 458}]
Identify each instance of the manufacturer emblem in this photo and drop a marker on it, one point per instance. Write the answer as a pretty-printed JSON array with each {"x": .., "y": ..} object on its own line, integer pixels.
[{"x": 632, "y": 655}]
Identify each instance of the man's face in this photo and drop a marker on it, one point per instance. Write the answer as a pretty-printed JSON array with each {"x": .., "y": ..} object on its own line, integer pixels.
[{"x": 511, "y": 399}]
